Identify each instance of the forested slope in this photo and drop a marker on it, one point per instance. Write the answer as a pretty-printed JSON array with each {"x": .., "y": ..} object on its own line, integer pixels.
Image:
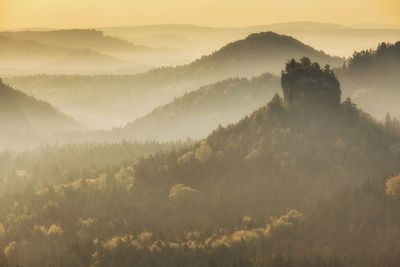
[
  {"x": 247, "y": 195},
  {"x": 371, "y": 78}
]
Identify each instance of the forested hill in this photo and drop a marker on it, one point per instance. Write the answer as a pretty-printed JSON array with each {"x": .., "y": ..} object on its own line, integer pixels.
[
  {"x": 256, "y": 54},
  {"x": 196, "y": 114},
  {"x": 24, "y": 119},
  {"x": 114, "y": 100},
  {"x": 237, "y": 197},
  {"x": 372, "y": 79},
  {"x": 375, "y": 66},
  {"x": 261, "y": 52}
]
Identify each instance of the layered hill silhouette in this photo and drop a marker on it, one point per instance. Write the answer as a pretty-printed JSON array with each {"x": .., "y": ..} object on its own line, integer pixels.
[
  {"x": 26, "y": 121},
  {"x": 27, "y": 56},
  {"x": 53, "y": 51},
  {"x": 266, "y": 49},
  {"x": 116, "y": 100},
  {"x": 78, "y": 39},
  {"x": 208, "y": 204},
  {"x": 26, "y": 53},
  {"x": 196, "y": 41},
  {"x": 85, "y": 61}
]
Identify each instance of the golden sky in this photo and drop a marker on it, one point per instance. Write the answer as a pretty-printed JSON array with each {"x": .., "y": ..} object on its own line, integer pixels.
[{"x": 96, "y": 13}]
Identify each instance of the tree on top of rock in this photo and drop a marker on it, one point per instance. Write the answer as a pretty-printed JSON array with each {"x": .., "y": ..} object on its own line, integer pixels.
[{"x": 305, "y": 85}]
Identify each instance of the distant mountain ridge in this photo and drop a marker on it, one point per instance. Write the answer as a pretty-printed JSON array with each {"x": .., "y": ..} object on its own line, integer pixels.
[
  {"x": 334, "y": 39},
  {"x": 300, "y": 25},
  {"x": 52, "y": 51},
  {"x": 31, "y": 55},
  {"x": 76, "y": 38},
  {"x": 264, "y": 50}
]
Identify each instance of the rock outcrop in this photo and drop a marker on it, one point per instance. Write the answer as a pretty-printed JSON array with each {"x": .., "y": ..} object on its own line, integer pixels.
[{"x": 305, "y": 85}]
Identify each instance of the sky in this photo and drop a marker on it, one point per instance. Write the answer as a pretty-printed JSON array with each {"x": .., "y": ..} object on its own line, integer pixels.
[{"x": 218, "y": 13}]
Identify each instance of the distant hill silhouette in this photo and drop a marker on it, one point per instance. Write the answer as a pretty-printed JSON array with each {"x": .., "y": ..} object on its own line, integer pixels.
[
  {"x": 85, "y": 61},
  {"x": 78, "y": 39},
  {"x": 265, "y": 50},
  {"x": 301, "y": 25},
  {"x": 41, "y": 47},
  {"x": 196, "y": 40},
  {"x": 20, "y": 56},
  {"x": 28, "y": 48},
  {"x": 128, "y": 97},
  {"x": 28, "y": 52},
  {"x": 27, "y": 121}
]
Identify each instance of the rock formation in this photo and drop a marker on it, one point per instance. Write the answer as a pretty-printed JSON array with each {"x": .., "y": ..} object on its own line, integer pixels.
[{"x": 305, "y": 85}]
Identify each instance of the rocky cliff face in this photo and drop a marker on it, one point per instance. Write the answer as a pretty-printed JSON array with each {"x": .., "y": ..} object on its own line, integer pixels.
[{"x": 305, "y": 85}]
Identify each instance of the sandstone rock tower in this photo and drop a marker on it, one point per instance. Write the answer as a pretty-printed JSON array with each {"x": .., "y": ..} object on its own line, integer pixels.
[{"x": 305, "y": 85}]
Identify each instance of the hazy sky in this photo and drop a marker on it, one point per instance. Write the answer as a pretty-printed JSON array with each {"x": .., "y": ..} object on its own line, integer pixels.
[{"x": 91, "y": 13}]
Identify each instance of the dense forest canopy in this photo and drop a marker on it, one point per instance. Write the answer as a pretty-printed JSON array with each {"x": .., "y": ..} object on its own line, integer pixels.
[
  {"x": 261, "y": 192},
  {"x": 384, "y": 59},
  {"x": 371, "y": 79},
  {"x": 57, "y": 164}
]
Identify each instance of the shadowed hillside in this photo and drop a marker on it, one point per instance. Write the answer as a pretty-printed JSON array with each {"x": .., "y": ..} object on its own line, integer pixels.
[
  {"x": 27, "y": 56},
  {"x": 195, "y": 40}
]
